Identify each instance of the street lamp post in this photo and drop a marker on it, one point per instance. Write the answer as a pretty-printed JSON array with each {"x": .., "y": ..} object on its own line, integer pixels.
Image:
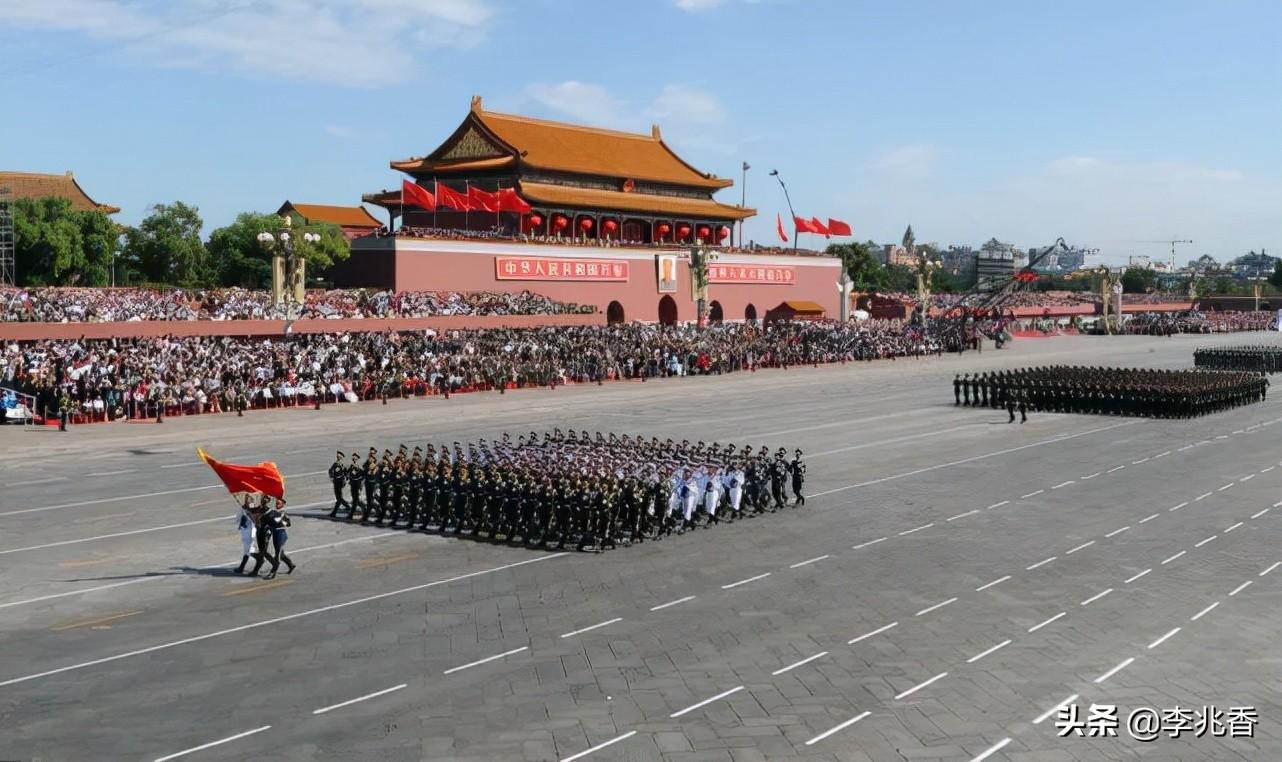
[
  {"x": 287, "y": 268},
  {"x": 775, "y": 174}
]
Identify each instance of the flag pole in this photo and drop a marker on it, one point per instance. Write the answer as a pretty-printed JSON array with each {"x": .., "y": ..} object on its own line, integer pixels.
[{"x": 795, "y": 231}]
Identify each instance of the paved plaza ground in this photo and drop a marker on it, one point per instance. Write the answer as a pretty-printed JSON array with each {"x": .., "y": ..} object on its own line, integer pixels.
[{"x": 951, "y": 581}]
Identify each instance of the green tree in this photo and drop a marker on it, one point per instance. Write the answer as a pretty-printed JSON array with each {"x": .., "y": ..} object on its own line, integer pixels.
[
  {"x": 865, "y": 271},
  {"x": 58, "y": 246},
  {"x": 240, "y": 260},
  {"x": 1138, "y": 280},
  {"x": 166, "y": 247},
  {"x": 1276, "y": 278}
]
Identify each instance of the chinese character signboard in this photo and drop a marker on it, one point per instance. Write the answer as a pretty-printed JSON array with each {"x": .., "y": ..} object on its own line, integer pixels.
[
  {"x": 771, "y": 275},
  {"x": 666, "y": 265},
  {"x": 548, "y": 268}
]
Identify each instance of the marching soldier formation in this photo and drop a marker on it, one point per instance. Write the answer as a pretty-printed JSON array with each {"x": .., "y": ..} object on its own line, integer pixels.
[
  {"x": 1144, "y": 392},
  {"x": 564, "y": 489},
  {"x": 1261, "y": 358}
]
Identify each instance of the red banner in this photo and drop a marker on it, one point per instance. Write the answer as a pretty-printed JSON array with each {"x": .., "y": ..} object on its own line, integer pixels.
[
  {"x": 546, "y": 268},
  {"x": 776, "y": 275}
]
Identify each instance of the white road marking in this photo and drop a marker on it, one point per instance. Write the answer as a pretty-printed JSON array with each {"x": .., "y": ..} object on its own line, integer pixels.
[
  {"x": 991, "y": 750},
  {"x": 1134, "y": 577},
  {"x": 1237, "y": 431},
  {"x": 1037, "y": 627},
  {"x": 745, "y": 581},
  {"x": 998, "y": 505},
  {"x": 1240, "y": 587},
  {"x": 808, "y": 562},
  {"x": 1177, "y": 507},
  {"x": 866, "y": 544},
  {"x": 212, "y": 744},
  {"x": 113, "y": 473},
  {"x": 994, "y": 582},
  {"x": 80, "y": 540},
  {"x": 1137, "y": 462},
  {"x": 1040, "y": 563},
  {"x": 794, "y": 665},
  {"x": 38, "y": 481},
  {"x": 486, "y": 660},
  {"x": 973, "y": 458},
  {"x": 1046, "y": 715},
  {"x": 274, "y": 620},
  {"x": 1096, "y": 597},
  {"x": 981, "y": 655},
  {"x": 1062, "y": 484},
  {"x": 705, "y": 702},
  {"x": 919, "y": 686},
  {"x": 359, "y": 699},
  {"x": 1172, "y": 558},
  {"x": 1031, "y": 494},
  {"x": 599, "y": 746},
  {"x": 1203, "y": 612},
  {"x": 1148, "y": 518},
  {"x": 1162, "y": 454},
  {"x": 1114, "y": 670},
  {"x": 1162, "y": 639},
  {"x": 1203, "y": 442},
  {"x": 1203, "y": 542},
  {"x": 1266, "y": 470},
  {"x": 1222, "y": 436},
  {"x": 593, "y": 627},
  {"x": 929, "y": 609},
  {"x": 865, "y": 636},
  {"x": 183, "y": 465},
  {"x": 1111, "y": 470},
  {"x": 918, "y": 529},
  {"x": 1186, "y": 447},
  {"x": 672, "y": 603},
  {"x": 1221, "y": 489},
  {"x": 1235, "y": 526},
  {"x": 1080, "y": 547},
  {"x": 962, "y": 515},
  {"x": 1247, "y": 478},
  {"x": 1258, "y": 514},
  {"x": 1202, "y": 496},
  {"x": 1092, "y": 476},
  {"x": 837, "y": 728},
  {"x": 1116, "y": 532}
]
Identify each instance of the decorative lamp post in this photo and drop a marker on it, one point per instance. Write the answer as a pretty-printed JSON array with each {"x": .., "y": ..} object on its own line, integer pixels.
[
  {"x": 926, "y": 269},
  {"x": 288, "y": 268},
  {"x": 699, "y": 258}
]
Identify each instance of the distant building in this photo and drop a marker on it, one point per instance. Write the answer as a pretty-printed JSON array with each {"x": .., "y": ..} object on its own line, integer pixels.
[
  {"x": 995, "y": 263},
  {"x": 355, "y": 221},
  {"x": 1056, "y": 258},
  {"x": 958, "y": 260},
  {"x": 1253, "y": 266},
  {"x": 894, "y": 254},
  {"x": 34, "y": 185}
]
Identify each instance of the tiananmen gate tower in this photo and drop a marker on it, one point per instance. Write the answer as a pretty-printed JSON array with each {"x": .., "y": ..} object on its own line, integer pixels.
[{"x": 580, "y": 214}]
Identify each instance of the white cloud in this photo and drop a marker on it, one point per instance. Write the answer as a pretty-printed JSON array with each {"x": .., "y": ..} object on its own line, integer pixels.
[
  {"x": 682, "y": 104},
  {"x": 695, "y": 6},
  {"x": 909, "y": 162},
  {"x": 359, "y": 43},
  {"x": 587, "y": 103}
]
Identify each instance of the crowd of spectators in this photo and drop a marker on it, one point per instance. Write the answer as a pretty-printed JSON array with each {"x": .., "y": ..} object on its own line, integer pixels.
[
  {"x": 100, "y": 305},
  {"x": 1169, "y": 323},
  {"x": 120, "y": 377}
]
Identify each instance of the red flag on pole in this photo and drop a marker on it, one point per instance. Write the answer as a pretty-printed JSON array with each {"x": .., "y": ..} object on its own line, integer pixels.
[
  {"x": 413, "y": 194},
  {"x": 510, "y": 202},
  {"x": 481, "y": 200},
  {"x": 818, "y": 227},
  {"x": 837, "y": 227},
  {"x": 779, "y": 226},
  {"x": 452, "y": 198},
  {"x": 262, "y": 479}
]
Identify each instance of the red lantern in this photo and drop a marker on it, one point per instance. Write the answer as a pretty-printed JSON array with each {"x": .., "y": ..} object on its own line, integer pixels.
[
  {"x": 610, "y": 226},
  {"x": 682, "y": 232},
  {"x": 663, "y": 229},
  {"x": 560, "y": 222},
  {"x": 586, "y": 224},
  {"x": 704, "y": 232},
  {"x": 534, "y": 220},
  {"x": 722, "y": 233}
]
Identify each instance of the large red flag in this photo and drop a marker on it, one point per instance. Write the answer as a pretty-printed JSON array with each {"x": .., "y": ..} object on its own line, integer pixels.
[
  {"x": 263, "y": 479},
  {"x": 510, "y": 202},
  {"x": 818, "y": 227},
  {"x": 452, "y": 198},
  {"x": 413, "y": 194},
  {"x": 837, "y": 227},
  {"x": 779, "y": 226},
  {"x": 482, "y": 200},
  {"x": 804, "y": 226}
]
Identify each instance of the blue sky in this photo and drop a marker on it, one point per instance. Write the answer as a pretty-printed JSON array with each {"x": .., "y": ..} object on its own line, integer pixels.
[{"x": 1106, "y": 123}]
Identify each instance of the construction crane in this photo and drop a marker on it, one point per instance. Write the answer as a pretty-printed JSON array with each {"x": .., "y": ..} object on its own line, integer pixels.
[{"x": 1171, "y": 243}]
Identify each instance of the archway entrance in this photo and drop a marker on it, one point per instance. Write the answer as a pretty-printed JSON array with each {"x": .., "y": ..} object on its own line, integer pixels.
[
  {"x": 667, "y": 311},
  {"x": 614, "y": 313},
  {"x": 714, "y": 312},
  {"x": 750, "y": 313}
]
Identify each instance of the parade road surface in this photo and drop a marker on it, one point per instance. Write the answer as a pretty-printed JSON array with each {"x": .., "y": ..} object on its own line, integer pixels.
[{"x": 952, "y": 582}]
